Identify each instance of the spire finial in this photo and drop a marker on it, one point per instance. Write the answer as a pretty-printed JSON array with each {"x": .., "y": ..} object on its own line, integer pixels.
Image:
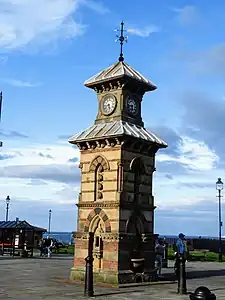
[{"x": 121, "y": 38}]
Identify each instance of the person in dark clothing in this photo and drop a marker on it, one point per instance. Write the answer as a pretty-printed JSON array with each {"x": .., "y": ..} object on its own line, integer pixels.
[{"x": 41, "y": 247}]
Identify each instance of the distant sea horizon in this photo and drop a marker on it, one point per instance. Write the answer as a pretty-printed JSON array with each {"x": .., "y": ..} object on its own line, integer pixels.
[{"x": 67, "y": 237}]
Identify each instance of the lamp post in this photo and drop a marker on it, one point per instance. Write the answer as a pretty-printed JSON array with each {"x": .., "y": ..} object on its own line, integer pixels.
[
  {"x": 7, "y": 200},
  {"x": 219, "y": 187},
  {"x": 49, "y": 220}
]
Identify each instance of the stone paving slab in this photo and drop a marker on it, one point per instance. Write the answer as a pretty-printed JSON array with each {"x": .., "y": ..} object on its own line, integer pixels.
[{"x": 33, "y": 279}]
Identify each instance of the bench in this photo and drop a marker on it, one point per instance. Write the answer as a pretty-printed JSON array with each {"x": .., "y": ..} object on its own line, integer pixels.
[{"x": 17, "y": 252}]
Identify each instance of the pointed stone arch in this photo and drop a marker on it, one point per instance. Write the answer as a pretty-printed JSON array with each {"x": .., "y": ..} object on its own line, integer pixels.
[
  {"x": 93, "y": 218},
  {"x": 136, "y": 222},
  {"x": 99, "y": 160},
  {"x": 97, "y": 224},
  {"x": 137, "y": 165}
]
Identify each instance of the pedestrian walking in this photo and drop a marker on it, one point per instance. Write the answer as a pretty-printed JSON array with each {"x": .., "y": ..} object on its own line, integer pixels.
[
  {"x": 160, "y": 250},
  {"x": 49, "y": 244}
]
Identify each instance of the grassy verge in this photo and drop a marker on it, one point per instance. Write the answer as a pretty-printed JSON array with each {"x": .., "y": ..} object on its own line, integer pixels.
[
  {"x": 69, "y": 249},
  {"x": 198, "y": 255},
  {"x": 194, "y": 255}
]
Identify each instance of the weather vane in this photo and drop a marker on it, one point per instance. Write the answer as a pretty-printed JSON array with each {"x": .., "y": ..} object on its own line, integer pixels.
[{"x": 121, "y": 38}]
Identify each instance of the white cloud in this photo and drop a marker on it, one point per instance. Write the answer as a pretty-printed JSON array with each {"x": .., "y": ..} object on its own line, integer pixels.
[
  {"x": 53, "y": 193},
  {"x": 20, "y": 83},
  {"x": 67, "y": 194},
  {"x": 3, "y": 60},
  {"x": 51, "y": 172},
  {"x": 98, "y": 7},
  {"x": 42, "y": 172},
  {"x": 23, "y": 22},
  {"x": 39, "y": 172},
  {"x": 192, "y": 186},
  {"x": 144, "y": 32},
  {"x": 187, "y": 15},
  {"x": 12, "y": 134},
  {"x": 30, "y": 154},
  {"x": 196, "y": 155}
]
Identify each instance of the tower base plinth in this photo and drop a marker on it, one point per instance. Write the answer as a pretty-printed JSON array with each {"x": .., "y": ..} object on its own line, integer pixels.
[
  {"x": 114, "y": 278},
  {"x": 110, "y": 277}
]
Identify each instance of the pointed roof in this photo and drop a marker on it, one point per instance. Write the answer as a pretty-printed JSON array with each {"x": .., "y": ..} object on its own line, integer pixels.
[
  {"x": 119, "y": 70},
  {"x": 115, "y": 129}
]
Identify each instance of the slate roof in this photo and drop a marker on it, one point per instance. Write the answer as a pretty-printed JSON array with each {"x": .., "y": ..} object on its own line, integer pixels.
[
  {"x": 116, "y": 71},
  {"x": 19, "y": 224},
  {"x": 115, "y": 129}
]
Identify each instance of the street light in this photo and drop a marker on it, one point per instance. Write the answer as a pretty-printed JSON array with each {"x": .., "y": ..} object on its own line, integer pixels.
[
  {"x": 219, "y": 187},
  {"x": 7, "y": 200},
  {"x": 49, "y": 220}
]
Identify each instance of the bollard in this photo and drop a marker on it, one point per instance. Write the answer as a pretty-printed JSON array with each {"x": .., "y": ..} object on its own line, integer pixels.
[
  {"x": 165, "y": 260},
  {"x": 202, "y": 293},
  {"x": 181, "y": 274},
  {"x": 88, "y": 284}
]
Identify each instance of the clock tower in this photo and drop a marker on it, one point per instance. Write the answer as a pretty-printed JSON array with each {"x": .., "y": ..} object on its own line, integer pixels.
[{"x": 117, "y": 161}]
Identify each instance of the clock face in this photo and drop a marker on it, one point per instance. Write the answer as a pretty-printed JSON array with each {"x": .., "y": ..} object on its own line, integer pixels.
[
  {"x": 108, "y": 104},
  {"x": 131, "y": 105}
]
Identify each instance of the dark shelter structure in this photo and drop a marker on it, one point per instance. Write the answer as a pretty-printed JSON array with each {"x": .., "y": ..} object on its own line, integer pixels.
[{"x": 19, "y": 237}]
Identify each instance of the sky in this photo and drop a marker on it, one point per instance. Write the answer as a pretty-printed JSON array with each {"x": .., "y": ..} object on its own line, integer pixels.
[{"x": 48, "y": 48}]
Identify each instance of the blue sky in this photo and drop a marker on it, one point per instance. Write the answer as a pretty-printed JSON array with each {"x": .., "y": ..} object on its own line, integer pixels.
[{"x": 48, "y": 48}]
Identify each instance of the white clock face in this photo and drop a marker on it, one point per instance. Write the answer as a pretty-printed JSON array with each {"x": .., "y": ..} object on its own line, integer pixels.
[
  {"x": 131, "y": 106},
  {"x": 108, "y": 104}
]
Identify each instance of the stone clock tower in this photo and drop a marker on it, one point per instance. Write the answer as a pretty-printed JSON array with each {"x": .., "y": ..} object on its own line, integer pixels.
[{"x": 117, "y": 161}]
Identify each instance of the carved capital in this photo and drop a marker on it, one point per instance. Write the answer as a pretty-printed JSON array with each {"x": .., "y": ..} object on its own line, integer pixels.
[{"x": 81, "y": 235}]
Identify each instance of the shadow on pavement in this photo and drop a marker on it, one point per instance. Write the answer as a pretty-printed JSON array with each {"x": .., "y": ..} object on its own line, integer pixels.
[
  {"x": 117, "y": 293},
  {"x": 218, "y": 289},
  {"x": 205, "y": 273},
  {"x": 195, "y": 274}
]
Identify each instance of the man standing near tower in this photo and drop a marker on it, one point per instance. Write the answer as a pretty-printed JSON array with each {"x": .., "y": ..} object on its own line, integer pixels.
[{"x": 181, "y": 256}]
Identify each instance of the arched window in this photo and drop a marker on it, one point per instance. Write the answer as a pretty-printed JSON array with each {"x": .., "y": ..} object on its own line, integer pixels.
[
  {"x": 138, "y": 168},
  {"x": 98, "y": 166}
]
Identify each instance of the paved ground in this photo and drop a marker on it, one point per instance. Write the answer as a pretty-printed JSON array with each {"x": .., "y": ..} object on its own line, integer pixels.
[{"x": 25, "y": 279}]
